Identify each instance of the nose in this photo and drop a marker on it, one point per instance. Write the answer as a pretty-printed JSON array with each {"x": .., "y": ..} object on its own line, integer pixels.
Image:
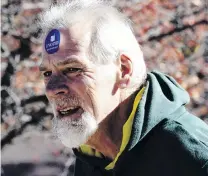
[
  {"x": 54, "y": 90},
  {"x": 56, "y": 87}
]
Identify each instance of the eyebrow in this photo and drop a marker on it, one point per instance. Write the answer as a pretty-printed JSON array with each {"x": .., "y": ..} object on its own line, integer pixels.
[
  {"x": 62, "y": 63},
  {"x": 69, "y": 61}
]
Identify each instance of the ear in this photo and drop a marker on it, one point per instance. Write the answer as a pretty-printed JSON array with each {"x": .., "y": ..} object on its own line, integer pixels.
[{"x": 126, "y": 70}]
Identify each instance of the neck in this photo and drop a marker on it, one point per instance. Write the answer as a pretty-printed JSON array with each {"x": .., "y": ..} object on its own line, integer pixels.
[{"x": 107, "y": 139}]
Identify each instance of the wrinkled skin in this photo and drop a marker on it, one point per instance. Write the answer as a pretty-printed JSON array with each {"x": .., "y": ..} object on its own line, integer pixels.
[{"x": 73, "y": 81}]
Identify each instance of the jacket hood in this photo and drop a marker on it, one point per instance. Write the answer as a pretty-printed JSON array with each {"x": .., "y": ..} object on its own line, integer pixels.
[{"x": 163, "y": 98}]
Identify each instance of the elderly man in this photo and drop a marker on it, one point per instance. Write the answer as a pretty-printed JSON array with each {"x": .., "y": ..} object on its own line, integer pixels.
[{"x": 119, "y": 119}]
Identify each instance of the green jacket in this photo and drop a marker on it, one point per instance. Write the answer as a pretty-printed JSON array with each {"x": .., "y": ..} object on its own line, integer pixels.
[{"x": 165, "y": 140}]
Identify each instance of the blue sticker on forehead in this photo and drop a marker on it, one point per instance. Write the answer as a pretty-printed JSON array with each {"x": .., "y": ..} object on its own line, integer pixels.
[{"x": 52, "y": 41}]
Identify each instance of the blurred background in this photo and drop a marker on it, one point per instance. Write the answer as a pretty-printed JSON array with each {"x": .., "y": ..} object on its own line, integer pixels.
[{"x": 174, "y": 38}]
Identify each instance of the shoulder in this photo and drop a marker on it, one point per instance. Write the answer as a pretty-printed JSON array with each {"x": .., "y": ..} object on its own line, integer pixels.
[{"x": 185, "y": 139}]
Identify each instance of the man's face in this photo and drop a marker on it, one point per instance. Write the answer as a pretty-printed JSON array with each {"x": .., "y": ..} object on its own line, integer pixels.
[{"x": 81, "y": 92}]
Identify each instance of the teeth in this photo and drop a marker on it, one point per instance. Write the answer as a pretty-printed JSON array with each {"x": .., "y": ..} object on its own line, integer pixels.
[
  {"x": 63, "y": 112},
  {"x": 66, "y": 111}
]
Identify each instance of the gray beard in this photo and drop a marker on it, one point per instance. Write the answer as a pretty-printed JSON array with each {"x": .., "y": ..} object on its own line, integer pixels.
[{"x": 74, "y": 133}]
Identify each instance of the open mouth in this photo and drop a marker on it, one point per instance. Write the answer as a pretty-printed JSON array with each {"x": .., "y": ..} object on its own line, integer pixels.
[{"x": 70, "y": 112}]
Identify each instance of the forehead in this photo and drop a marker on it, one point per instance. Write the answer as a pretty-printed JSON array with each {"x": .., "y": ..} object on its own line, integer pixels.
[{"x": 60, "y": 44}]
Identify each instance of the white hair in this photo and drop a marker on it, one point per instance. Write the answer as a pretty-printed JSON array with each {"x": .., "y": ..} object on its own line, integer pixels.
[
  {"x": 73, "y": 133},
  {"x": 111, "y": 32}
]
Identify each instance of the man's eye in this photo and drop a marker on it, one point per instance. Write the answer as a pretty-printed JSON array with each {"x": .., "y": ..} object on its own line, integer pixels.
[
  {"x": 47, "y": 73},
  {"x": 71, "y": 70}
]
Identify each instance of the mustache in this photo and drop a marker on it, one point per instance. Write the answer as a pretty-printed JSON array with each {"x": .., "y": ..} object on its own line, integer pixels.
[{"x": 67, "y": 100}]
